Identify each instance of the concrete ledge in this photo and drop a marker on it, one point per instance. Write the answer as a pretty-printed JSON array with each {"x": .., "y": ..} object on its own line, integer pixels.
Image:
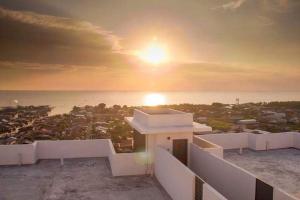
[
  {"x": 278, "y": 194},
  {"x": 208, "y": 146},
  {"x": 253, "y": 141},
  {"x": 126, "y": 164},
  {"x": 72, "y": 149},
  {"x": 178, "y": 180},
  {"x": 18, "y": 154},
  {"x": 122, "y": 164}
]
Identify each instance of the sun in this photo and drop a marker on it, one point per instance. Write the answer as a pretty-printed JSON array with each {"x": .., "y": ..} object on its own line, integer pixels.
[{"x": 154, "y": 53}]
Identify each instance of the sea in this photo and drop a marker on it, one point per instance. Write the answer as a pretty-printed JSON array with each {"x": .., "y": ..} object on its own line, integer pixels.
[{"x": 63, "y": 101}]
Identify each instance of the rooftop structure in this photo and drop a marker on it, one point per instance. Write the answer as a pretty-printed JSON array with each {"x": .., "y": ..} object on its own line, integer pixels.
[
  {"x": 169, "y": 128},
  {"x": 160, "y": 120},
  {"x": 156, "y": 121}
]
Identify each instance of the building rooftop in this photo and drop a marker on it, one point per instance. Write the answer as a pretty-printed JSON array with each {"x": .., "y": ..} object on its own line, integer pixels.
[
  {"x": 161, "y": 120},
  {"x": 278, "y": 167},
  {"x": 88, "y": 178},
  {"x": 160, "y": 111}
]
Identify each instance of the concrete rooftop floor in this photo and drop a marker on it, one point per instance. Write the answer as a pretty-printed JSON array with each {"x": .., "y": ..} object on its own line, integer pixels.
[
  {"x": 280, "y": 167},
  {"x": 80, "y": 179}
]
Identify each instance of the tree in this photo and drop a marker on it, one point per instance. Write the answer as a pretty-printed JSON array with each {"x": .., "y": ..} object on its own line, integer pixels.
[
  {"x": 75, "y": 109},
  {"x": 100, "y": 108}
]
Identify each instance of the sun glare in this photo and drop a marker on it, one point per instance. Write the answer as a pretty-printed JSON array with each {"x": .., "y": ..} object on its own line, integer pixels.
[
  {"x": 154, "y": 53},
  {"x": 154, "y": 99}
]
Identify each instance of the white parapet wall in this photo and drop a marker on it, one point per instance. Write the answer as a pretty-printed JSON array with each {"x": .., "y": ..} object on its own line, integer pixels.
[
  {"x": 72, "y": 149},
  {"x": 210, "y": 193},
  {"x": 208, "y": 146},
  {"x": 253, "y": 141},
  {"x": 271, "y": 141},
  {"x": 125, "y": 164},
  {"x": 227, "y": 140},
  {"x": 162, "y": 117},
  {"x": 122, "y": 164},
  {"x": 296, "y": 140},
  {"x": 232, "y": 182},
  {"x": 176, "y": 178},
  {"x": 18, "y": 154}
]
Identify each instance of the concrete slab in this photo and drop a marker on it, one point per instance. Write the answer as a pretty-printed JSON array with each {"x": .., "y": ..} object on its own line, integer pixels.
[
  {"x": 86, "y": 179},
  {"x": 280, "y": 167}
]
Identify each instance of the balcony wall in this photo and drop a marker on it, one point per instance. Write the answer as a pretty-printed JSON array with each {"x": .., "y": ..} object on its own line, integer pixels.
[
  {"x": 178, "y": 180},
  {"x": 121, "y": 163},
  {"x": 228, "y": 140},
  {"x": 72, "y": 149},
  {"x": 18, "y": 154}
]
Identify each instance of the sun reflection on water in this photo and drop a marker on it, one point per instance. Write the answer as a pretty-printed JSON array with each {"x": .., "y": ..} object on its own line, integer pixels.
[{"x": 154, "y": 99}]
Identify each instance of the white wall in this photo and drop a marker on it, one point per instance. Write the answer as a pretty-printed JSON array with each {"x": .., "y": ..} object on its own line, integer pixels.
[
  {"x": 184, "y": 119},
  {"x": 232, "y": 182},
  {"x": 296, "y": 140},
  {"x": 208, "y": 146},
  {"x": 271, "y": 141},
  {"x": 175, "y": 118},
  {"x": 254, "y": 141},
  {"x": 122, "y": 164},
  {"x": 228, "y": 140},
  {"x": 216, "y": 151},
  {"x": 280, "y": 140},
  {"x": 210, "y": 193},
  {"x": 281, "y": 195},
  {"x": 72, "y": 149},
  {"x": 125, "y": 164},
  {"x": 17, "y": 154},
  {"x": 175, "y": 177},
  {"x": 162, "y": 139}
]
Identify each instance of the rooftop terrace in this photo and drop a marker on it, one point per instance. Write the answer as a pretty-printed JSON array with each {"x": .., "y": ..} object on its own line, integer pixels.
[
  {"x": 278, "y": 167},
  {"x": 88, "y": 178},
  {"x": 160, "y": 111}
]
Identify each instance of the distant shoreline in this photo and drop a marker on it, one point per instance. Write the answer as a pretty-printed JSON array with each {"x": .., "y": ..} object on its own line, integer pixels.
[{"x": 63, "y": 101}]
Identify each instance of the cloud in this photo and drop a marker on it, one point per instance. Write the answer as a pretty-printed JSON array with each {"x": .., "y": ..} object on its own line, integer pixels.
[
  {"x": 237, "y": 77},
  {"x": 31, "y": 37},
  {"x": 232, "y": 5},
  {"x": 278, "y": 6},
  {"x": 63, "y": 23},
  {"x": 265, "y": 21},
  {"x": 40, "y": 51},
  {"x": 42, "y": 67}
]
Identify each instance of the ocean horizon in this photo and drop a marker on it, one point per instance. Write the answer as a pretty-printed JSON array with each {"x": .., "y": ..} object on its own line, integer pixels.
[{"x": 63, "y": 101}]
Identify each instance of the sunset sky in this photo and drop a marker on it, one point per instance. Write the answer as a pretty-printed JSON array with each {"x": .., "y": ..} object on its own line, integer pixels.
[{"x": 212, "y": 45}]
